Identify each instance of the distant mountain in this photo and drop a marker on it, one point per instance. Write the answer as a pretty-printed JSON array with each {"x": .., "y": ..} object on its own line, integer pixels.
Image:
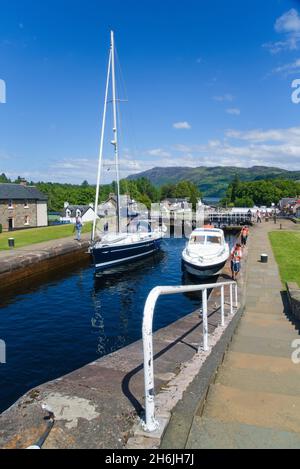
[{"x": 213, "y": 181}]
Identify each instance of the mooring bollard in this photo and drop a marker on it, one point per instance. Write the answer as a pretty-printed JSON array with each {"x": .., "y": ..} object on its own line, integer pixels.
[
  {"x": 264, "y": 258},
  {"x": 11, "y": 243}
]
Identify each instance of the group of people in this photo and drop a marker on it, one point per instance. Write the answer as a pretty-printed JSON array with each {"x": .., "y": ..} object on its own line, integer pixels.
[
  {"x": 266, "y": 215},
  {"x": 237, "y": 253}
]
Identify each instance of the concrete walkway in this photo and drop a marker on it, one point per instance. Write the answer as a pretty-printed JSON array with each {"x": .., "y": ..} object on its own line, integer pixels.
[{"x": 255, "y": 399}]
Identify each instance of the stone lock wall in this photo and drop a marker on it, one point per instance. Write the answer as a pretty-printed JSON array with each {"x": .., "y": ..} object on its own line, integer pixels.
[
  {"x": 18, "y": 214},
  {"x": 294, "y": 298}
]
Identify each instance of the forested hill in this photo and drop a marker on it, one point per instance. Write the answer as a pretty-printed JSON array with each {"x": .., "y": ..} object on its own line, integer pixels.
[{"x": 213, "y": 181}]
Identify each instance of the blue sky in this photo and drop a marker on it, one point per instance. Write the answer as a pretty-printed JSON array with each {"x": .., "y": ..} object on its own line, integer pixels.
[{"x": 208, "y": 83}]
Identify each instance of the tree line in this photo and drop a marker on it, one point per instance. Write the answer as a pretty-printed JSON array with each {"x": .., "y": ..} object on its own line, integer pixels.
[
  {"x": 141, "y": 190},
  {"x": 261, "y": 192}
]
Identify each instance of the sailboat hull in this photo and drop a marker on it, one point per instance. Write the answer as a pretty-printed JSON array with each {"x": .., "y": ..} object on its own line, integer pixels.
[{"x": 106, "y": 257}]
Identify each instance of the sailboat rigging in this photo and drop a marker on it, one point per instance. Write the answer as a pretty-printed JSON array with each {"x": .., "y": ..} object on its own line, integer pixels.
[{"x": 113, "y": 249}]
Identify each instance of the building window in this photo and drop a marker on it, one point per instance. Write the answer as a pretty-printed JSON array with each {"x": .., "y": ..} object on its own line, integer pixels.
[
  {"x": 26, "y": 204},
  {"x": 26, "y": 220},
  {"x": 78, "y": 213},
  {"x": 10, "y": 204}
]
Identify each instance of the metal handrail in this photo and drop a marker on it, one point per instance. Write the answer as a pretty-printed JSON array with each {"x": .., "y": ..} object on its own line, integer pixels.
[{"x": 151, "y": 424}]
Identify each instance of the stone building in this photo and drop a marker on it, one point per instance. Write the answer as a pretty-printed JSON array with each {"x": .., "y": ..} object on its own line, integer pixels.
[
  {"x": 128, "y": 206},
  {"x": 22, "y": 206}
]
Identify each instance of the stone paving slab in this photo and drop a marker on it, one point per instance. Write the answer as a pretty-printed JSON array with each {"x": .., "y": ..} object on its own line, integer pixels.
[
  {"x": 259, "y": 329},
  {"x": 262, "y": 346},
  {"x": 271, "y": 410},
  {"x": 267, "y": 316},
  {"x": 264, "y": 363},
  {"x": 208, "y": 433},
  {"x": 255, "y": 379}
]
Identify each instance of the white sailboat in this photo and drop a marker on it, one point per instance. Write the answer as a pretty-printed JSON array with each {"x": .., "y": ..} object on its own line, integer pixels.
[{"x": 113, "y": 249}]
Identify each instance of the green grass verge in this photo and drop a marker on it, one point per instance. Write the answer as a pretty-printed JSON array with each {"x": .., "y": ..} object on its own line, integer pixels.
[
  {"x": 39, "y": 235},
  {"x": 286, "y": 248}
]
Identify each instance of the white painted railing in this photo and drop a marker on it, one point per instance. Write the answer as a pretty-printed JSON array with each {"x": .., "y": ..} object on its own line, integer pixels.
[{"x": 151, "y": 424}]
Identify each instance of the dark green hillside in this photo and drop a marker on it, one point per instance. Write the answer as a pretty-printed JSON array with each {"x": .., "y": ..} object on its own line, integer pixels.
[{"x": 213, "y": 181}]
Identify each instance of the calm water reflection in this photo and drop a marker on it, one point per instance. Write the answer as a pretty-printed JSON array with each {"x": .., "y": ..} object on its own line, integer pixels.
[{"x": 62, "y": 321}]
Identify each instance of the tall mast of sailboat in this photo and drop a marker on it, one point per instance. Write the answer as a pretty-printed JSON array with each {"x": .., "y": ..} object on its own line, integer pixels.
[
  {"x": 115, "y": 128},
  {"x": 101, "y": 146}
]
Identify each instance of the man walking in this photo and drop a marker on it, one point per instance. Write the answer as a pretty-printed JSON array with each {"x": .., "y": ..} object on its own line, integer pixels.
[
  {"x": 78, "y": 227},
  {"x": 258, "y": 217}
]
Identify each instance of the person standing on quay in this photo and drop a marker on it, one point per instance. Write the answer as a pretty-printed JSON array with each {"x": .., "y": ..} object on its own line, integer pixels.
[
  {"x": 236, "y": 256},
  {"x": 258, "y": 216},
  {"x": 78, "y": 227},
  {"x": 244, "y": 235}
]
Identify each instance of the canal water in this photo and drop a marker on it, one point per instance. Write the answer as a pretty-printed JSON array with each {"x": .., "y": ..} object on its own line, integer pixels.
[{"x": 64, "y": 320}]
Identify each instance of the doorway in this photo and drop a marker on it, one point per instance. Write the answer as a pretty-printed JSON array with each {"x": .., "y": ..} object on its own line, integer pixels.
[{"x": 10, "y": 224}]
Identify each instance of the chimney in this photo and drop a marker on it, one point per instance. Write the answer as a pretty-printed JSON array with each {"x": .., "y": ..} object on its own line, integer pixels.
[
  {"x": 66, "y": 204},
  {"x": 23, "y": 182}
]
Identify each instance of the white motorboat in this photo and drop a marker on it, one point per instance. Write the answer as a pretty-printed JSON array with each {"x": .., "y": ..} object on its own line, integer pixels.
[{"x": 206, "y": 252}]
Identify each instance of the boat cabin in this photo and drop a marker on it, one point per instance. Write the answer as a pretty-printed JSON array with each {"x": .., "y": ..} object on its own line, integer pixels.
[{"x": 207, "y": 237}]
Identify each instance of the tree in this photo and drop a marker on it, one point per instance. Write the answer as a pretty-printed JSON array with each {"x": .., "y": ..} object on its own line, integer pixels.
[
  {"x": 181, "y": 190},
  {"x": 167, "y": 191},
  {"x": 4, "y": 179},
  {"x": 235, "y": 187},
  {"x": 244, "y": 202}
]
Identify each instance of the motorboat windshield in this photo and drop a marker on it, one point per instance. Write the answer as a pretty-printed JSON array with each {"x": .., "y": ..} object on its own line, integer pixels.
[{"x": 203, "y": 239}]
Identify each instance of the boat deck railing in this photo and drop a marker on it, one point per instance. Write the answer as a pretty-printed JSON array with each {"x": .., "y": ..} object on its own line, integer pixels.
[{"x": 150, "y": 423}]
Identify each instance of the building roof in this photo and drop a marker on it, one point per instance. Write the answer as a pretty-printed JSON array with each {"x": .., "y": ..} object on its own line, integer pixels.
[
  {"x": 124, "y": 199},
  {"x": 175, "y": 200},
  {"x": 288, "y": 200},
  {"x": 83, "y": 209},
  {"x": 20, "y": 192}
]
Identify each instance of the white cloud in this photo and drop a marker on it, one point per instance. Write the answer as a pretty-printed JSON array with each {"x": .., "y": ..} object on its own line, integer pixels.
[
  {"x": 278, "y": 147},
  {"x": 159, "y": 152},
  {"x": 182, "y": 125},
  {"x": 291, "y": 134},
  {"x": 225, "y": 97},
  {"x": 234, "y": 111},
  {"x": 289, "y": 22},
  {"x": 289, "y": 68},
  {"x": 271, "y": 147},
  {"x": 2, "y": 92},
  {"x": 77, "y": 169},
  {"x": 289, "y": 26}
]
